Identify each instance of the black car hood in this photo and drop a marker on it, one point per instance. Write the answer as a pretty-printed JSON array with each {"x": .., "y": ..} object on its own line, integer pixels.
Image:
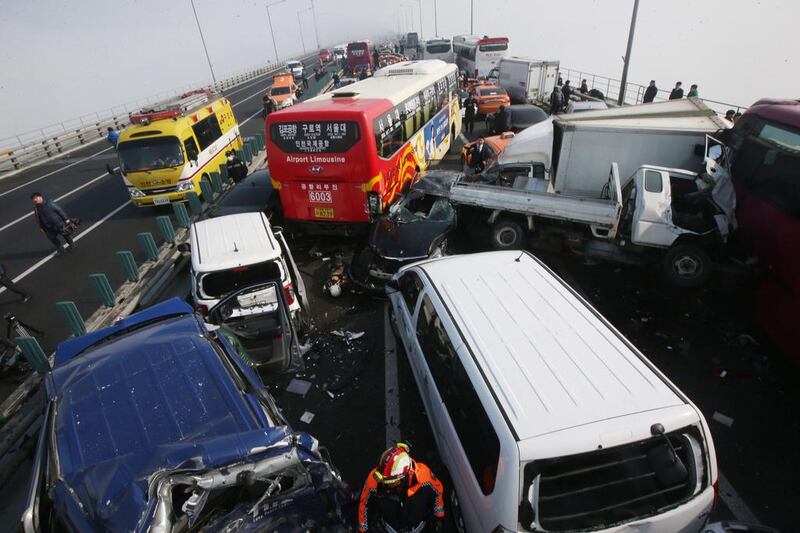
[{"x": 411, "y": 240}]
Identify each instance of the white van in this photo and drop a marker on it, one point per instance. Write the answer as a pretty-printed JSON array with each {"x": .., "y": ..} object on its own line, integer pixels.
[
  {"x": 545, "y": 416},
  {"x": 234, "y": 251}
]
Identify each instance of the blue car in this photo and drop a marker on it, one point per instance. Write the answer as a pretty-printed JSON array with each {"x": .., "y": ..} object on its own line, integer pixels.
[{"x": 155, "y": 424}]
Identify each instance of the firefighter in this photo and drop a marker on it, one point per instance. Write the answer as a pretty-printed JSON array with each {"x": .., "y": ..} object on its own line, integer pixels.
[
  {"x": 401, "y": 494},
  {"x": 237, "y": 170}
]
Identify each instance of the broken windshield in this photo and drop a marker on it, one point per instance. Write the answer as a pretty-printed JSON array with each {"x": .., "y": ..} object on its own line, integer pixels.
[{"x": 417, "y": 206}]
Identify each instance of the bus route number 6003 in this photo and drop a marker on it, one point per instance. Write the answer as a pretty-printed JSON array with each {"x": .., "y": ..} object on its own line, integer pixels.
[{"x": 320, "y": 197}]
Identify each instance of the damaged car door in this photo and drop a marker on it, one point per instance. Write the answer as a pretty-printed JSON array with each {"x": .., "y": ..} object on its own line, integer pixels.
[{"x": 257, "y": 322}]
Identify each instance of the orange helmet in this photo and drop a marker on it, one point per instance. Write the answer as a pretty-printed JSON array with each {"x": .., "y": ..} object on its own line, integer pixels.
[{"x": 395, "y": 465}]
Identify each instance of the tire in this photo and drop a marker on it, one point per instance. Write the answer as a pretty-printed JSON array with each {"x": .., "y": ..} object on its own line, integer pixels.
[
  {"x": 687, "y": 265},
  {"x": 455, "y": 512},
  {"x": 507, "y": 235}
]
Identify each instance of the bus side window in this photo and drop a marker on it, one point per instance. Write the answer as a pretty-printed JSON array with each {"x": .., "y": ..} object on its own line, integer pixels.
[{"x": 191, "y": 148}]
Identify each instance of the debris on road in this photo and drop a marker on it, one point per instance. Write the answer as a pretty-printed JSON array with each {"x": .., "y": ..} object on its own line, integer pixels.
[
  {"x": 299, "y": 387},
  {"x": 307, "y": 417},
  {"x": 722, "y": 419},
  {"x": 348, "y": 335}
]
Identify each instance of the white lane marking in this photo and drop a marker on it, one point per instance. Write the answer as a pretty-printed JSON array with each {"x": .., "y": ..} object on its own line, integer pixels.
[
  {"x": 73, "y": 191},
  {"x": 55, "y": 171},
  {"x": 78, "y": 237},
  {"x": 735, "y": 503},
  {"x": 390, "y": 381}
]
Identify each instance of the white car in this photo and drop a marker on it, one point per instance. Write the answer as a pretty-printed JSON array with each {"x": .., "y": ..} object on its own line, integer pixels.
[
  {"x": 233, "y": 251},
  {"x": 296, "y": 68},
  {"x": 589, "y": 105},
  {"x": 545, "y": 416}
]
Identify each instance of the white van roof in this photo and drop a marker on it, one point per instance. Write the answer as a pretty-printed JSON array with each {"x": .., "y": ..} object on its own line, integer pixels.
[
  {"x": 552, "y": 361},
  {"x": 231, "y": 241}
]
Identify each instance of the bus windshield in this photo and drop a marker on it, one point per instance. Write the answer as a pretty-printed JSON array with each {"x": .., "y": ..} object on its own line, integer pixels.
[
  {"x": 493, "y": 47},
  {"x": 150, "y": 154},
  {"x": 439, "y": 48}
]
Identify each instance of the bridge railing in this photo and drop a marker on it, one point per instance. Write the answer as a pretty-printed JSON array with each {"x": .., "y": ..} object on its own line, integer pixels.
[
  {"x": 634, "y": 92},
  {"x": 35, "y": 146}
]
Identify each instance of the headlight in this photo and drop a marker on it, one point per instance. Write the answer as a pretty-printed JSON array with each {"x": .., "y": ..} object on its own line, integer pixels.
[
  {"x": 135, "y": 193},
  {"x": 185, "y": 186}
]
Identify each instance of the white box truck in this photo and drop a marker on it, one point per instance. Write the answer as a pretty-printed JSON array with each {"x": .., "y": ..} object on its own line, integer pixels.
[
  {"x": 574, "y": 152},
  {"x": 527, "y": 80}
]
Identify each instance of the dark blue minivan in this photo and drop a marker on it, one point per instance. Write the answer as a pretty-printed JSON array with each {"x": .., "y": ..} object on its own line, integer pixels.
[{"x": 155, "y": 424}]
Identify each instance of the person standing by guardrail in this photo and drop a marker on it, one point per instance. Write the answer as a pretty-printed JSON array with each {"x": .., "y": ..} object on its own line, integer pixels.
[
  {"x": 53, "y": 221},
  {"x": 9, "y": 284},
  {"x": 693, "y": 91},
  {"x": 112, "y": 137},
  {"x": 677, "y": 92},
  {"x": 650, "y": 93}
]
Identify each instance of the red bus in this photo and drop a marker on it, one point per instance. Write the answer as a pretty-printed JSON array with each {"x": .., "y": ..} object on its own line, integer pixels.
[
  {"x": 341, "y": 158},
  {"x": 359, "y": 56},
  {"x": 765, "y": 167}
]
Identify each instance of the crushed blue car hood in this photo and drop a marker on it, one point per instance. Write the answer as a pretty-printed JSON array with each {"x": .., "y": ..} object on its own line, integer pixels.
[{"x": 156, "y": 398}]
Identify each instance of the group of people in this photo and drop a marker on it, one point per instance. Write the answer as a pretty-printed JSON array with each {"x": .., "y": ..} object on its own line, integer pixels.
[{"x": 675, "y": 94}]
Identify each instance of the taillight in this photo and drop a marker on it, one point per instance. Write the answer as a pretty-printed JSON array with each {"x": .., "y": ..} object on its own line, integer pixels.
[{"x": 288, "y": 291}]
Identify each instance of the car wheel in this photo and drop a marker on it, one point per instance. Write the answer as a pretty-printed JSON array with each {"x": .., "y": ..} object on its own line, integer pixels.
[
  {"x": 687, "y": 265},
  {"x": 507, "y": 235},
  {"x": 455, "y": 511}
]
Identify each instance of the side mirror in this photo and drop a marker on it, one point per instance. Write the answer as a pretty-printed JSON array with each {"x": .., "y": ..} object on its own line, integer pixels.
[{"x": 185, "y": 247}]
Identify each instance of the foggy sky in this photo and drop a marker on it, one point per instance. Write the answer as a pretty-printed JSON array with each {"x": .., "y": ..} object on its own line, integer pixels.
[{"x": 63, "y": 59}]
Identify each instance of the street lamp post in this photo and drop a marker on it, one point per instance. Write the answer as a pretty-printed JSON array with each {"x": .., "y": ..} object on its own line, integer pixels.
[
  {"x": 316, "y": 30},
  {"x": 435, "y": 19},
  {"x": 300, "y": 26},
  {"x": 271, "y": 32},
  {"x": 627, "y": 57},
  {"x": 471, "y": 17},
  {"x": 208, "y": 58},
  {"x": 420, "y": 18}
]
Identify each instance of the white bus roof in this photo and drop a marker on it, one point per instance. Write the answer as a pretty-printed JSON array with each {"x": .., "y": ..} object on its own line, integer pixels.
[
  {"x": 552, "y": 361},
  {"x": 231, "y": 241},
  {"x": 395, "y": 82}
]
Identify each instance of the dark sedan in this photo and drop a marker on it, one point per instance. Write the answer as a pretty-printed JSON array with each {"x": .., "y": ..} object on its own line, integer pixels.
[
  {"x": 415, "y": 228},
  {"x": 251, "y": 195},
  {"x": 522, "y": 116}
]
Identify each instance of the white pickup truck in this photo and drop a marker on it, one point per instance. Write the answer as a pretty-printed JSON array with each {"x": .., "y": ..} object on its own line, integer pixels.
[{"x": 675, "y": 216}]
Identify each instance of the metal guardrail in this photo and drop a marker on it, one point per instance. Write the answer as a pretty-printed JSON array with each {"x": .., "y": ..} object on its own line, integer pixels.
[
  {"x": 26, "y": 149},
  {"x": 634, "y": 92}
]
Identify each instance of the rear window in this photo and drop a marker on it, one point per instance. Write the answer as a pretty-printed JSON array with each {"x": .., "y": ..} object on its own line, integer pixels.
[
  {"x": 442, "y": 48},
  {"x": 218, "y": 284},
  {"x": 494, "y": 47},
  {"x": 494, "y": 91},
  {"x": 314, "y": 137},
  {"x": 278, "y": 91}
]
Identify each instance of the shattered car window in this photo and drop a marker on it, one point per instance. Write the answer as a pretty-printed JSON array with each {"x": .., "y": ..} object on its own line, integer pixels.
[{"x": 441, "y": 211}]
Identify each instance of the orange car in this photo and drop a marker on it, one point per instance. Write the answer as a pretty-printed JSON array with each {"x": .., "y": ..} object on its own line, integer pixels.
[
  {"x": 490, "y": 98},
  {"x": 283, "y": 92},
  {"x": 494, "y": 145}
]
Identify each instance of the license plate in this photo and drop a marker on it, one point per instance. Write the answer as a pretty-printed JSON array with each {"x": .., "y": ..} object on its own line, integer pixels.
[
  {"x": 320, "y": 197},
  {"x": 323, "y": 212},
  {"x": 160, "y": 200}
]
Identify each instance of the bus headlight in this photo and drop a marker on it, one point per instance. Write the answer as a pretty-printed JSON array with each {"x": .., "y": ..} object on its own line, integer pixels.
[
  {"x": 135, "y": 193},
  {"x": 374, "y": 203},
  {"x": 185, "y": 186}
]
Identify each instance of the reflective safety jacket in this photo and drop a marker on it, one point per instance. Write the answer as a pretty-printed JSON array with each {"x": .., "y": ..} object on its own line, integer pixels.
[{"x": 417, "y": 509}]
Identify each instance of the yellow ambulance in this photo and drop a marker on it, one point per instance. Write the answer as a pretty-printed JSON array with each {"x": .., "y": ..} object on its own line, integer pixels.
[{"x": 169, "y": 148}]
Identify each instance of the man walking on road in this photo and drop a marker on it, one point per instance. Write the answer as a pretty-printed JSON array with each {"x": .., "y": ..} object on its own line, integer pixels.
[
  {"x": 651, "y": 92},
  {"x": 9, "y": 284},
  {"x": 113, "y": 137},
  {"x": 53, "y": 221},
  {"x": 470, "y": 110}
]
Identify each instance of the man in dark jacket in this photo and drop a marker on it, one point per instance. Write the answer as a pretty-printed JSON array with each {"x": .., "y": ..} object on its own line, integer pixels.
[
  {"x": 677, "y": 92},
  {"x": 478, "y": 156},
  {"x": 584, "y": 87},
  {"x": 237, "y": 170},
  {"x": 470, "y": 110},
  {"x": 9, "y": 284},
  {"x": 502, "y": 120},
  {"x": 566, "y": 90},
  {"x": 53, "y": 221},
  {"x": 651, "y": 92}
]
